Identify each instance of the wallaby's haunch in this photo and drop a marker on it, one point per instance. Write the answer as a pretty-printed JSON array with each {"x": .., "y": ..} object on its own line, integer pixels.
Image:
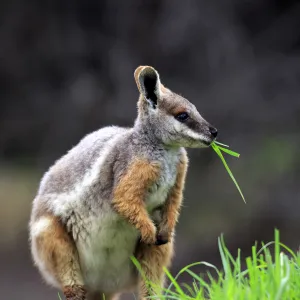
[{"x": 116, "y": 194}]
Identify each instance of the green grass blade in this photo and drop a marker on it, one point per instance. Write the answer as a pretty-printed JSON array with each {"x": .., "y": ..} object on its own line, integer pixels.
[
  {"x": 218, "y": 143},
  {"x": 216, "y": 148},
  {"x": 224, "y": 259},
  {"x": 186, "y": 268},
  {"x": 230, "y": 152},
  {"x": 189, "y": 289},
  {"x": 176, "y": 285},
  {"x": 289, "y": 250},
  {"x": 284, "y": 281}
]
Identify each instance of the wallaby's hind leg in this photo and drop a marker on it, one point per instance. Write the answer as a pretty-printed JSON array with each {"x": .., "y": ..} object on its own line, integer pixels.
[
  {"x": 153, "y": 259},
  {"x": 55, "y": 254}
]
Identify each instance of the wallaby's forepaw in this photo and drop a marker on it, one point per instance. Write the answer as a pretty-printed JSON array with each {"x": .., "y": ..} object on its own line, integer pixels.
[
  {"x": 148, "y": 234},
  {"x": 161, "y": 240},
  {"x": 74, "y": 292},
  {"x": 163, "y": 236}
]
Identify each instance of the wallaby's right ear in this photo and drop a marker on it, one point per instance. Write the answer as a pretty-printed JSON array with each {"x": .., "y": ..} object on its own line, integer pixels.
[{"x": 148, "y": 83}]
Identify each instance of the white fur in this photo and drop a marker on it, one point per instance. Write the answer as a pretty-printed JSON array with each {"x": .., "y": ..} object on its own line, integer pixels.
[
  {"x": 105, "y": 253},
  {"x": 39, "y": 226},
  {"x": 159, "y": 192},
  {"x": 194, "y": 135},
  {"x": 179, "y": 127}
]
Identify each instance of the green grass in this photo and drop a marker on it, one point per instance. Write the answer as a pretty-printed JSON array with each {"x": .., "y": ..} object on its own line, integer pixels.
[
  {"x": 218, "y": 148},
  {"x": 268, "y": 274}
]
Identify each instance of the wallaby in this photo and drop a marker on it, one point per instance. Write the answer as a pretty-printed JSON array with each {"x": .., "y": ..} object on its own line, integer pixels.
[{"x": 115, "y": 195}]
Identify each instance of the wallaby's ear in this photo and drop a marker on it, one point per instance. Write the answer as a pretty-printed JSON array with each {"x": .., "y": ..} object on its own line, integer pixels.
[{"x": 148, "y": 83}]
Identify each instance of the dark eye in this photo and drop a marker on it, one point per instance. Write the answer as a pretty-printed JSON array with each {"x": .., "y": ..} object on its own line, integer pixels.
[{"x": 182, "y": 117}]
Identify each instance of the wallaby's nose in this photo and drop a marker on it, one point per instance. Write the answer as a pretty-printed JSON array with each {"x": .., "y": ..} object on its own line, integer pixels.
[{"x": 213, "y": 131}]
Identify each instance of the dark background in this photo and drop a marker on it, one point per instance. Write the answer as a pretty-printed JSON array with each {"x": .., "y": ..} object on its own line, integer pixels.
[{"x": 66, "y": 69}]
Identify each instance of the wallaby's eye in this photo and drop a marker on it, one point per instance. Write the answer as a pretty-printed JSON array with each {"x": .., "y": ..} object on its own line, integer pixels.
[{"x": 182, "y": 117}]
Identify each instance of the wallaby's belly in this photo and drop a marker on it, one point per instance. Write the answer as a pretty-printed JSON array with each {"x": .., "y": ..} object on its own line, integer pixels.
[{"x": 105, "y": 252}]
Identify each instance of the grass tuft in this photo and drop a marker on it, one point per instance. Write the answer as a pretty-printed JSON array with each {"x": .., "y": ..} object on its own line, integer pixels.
[{"x": 268, "y": 274}]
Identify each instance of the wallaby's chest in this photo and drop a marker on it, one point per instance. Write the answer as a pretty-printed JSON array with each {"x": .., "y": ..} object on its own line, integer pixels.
[{"x": 158, "y": 192}]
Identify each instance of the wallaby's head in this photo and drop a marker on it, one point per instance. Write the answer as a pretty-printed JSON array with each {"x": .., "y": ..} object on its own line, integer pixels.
[{"x": 171, "y": 118}]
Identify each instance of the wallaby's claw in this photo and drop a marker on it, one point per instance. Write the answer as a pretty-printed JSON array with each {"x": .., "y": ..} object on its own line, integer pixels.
[{"x": 160, "y": 240}]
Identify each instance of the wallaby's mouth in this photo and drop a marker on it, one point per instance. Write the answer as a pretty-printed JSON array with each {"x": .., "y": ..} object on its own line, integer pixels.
[
  {"x": 209, "y": 136},
  {"x": 206, "y": 143}
]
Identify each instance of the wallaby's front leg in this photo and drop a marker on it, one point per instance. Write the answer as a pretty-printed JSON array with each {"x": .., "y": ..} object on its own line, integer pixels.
[
  {"x": 129, "y": 197},
  {"x": 171, "y": 209}
]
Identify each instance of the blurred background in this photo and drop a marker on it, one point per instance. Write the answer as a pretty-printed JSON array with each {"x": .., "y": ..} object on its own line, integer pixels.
[{"x": 66, "y": 69}]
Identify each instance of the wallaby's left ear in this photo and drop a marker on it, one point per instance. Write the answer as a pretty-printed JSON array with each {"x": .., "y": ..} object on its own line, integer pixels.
[{"x": 148, "y": 83}]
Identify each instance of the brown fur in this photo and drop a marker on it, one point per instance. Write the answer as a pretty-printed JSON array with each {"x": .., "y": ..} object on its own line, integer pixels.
[
  {"x": 57, "y": 251},
  {"x": 75, "y": 292},
  {"x": 176, "y": 110},
  {"x": 129, "y": 197},
  {"x": 153, "y": 259}
]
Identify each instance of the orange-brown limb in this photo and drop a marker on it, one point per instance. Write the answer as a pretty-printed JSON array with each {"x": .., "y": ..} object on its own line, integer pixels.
[
  {"x": 129, "y": 197},
  {"x": 56, "y": 252}
]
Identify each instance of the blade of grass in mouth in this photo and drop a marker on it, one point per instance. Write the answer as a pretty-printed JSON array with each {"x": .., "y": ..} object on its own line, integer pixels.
[
  {"x": 218, "y": 143},
  {"x": 230, "y": 152},
  {"x": 218, "y": 149}
]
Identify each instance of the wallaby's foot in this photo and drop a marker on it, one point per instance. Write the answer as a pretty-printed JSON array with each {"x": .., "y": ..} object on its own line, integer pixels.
[{"x": 74, "y": 292}]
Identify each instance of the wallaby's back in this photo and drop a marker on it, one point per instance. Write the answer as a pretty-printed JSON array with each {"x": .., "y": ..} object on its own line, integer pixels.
[{"x": 74, "y": 172}]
